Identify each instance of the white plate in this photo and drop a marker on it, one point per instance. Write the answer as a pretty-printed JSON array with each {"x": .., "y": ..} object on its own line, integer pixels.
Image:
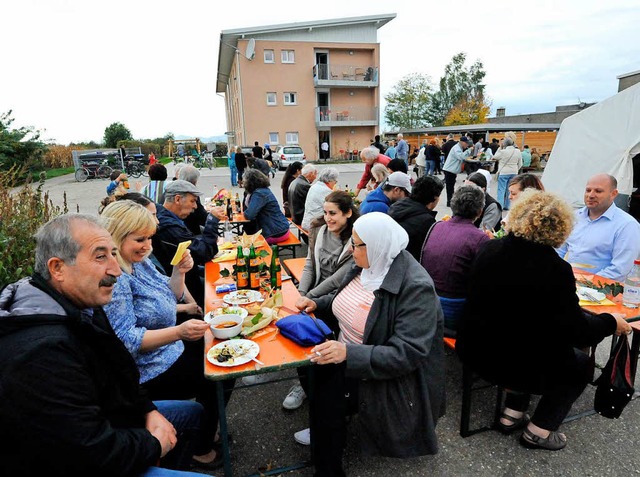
[
  {"x": 593, "y": 293},
  {"x": 227, "y": 310},
  {"x": 242, "y": 350},
  {"x": 242, "y": 297}
]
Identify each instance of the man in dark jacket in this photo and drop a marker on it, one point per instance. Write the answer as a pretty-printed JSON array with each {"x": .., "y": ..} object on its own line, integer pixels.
[
  {"x": 70, "y": 399},
  {"x": 257, "y": 150},
  {"x": 378, "y": 144},
  {"x": 446, "y": 147},
  {"x": 298, "y": 191},
  {"x": 179, "y": 202},
  {"x": 416, "y": 213}
]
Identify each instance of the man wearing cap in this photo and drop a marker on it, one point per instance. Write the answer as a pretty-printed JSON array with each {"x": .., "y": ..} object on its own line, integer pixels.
[
  {"x": 180, "y": 201},
  {"x": 453, "y": 164},
  {"x": 397, "y": 186}
]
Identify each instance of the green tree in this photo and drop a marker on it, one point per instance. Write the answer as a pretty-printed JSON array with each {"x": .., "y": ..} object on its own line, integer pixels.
[
  {"x": 116, "y": 132},
  {"x": 408, "y": 103},
  {"x": 459, "y": 83},
  {"x": 20, "y": 148}
]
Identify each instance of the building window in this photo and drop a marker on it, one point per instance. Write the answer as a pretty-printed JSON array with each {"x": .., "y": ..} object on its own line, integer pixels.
[
  {"x": 273, "y": 138},
  {"x": 272, "y": 99},
  {"x": 290, "y": 98},
  {"x": 292, "y": 137},
  {"x": 288, "y": 56},
  {"x": 269, "y": 56}
]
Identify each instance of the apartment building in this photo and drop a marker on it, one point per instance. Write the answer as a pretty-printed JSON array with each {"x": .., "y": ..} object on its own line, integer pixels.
[{"x": 303, "y": 83}]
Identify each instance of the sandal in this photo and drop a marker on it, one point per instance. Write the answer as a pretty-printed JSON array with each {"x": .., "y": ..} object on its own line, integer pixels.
[
  {"x": 518, "y": 423},
  {"x": 553, "y": 442}
]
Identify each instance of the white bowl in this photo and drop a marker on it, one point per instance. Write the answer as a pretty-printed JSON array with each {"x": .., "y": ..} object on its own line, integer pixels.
[{"x": 225, "y": 333}]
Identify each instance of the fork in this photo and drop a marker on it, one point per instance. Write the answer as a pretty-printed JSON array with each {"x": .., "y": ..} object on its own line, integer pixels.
[{"x": 589, "y": 296}]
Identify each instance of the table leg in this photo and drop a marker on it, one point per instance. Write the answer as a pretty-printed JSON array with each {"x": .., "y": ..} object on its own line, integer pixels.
[{"x": 224, "y": 433}]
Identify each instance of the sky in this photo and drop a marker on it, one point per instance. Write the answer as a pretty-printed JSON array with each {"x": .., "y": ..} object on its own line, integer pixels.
[{"x": 70, "y": 68}]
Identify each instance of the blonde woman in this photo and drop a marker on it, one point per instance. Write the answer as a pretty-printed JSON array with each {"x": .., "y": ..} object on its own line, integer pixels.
[{"x": 143, "y": 313}]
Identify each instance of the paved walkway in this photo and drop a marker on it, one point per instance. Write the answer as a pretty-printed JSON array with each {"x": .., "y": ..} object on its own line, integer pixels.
[{"x": 262, "y": 429}]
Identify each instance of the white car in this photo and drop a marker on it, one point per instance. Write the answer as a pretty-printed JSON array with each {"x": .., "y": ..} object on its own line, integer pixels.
[{"x": 286, "y": 155}]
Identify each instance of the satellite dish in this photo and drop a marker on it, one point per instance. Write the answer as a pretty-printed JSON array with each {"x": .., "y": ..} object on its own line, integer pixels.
[{"x": 250, "y": 52}]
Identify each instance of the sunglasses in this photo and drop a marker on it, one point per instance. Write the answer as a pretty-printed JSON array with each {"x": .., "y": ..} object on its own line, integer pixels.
[{"x": 355, "y": 245}]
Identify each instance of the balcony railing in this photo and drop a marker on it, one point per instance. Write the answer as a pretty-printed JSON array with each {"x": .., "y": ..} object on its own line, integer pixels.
[
  {"x": 349, "y": 116},
  {"x": 328, "y": 75}
]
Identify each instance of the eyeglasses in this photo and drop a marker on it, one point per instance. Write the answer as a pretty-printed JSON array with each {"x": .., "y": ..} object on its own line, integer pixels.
[{"x": 356, "y": 245}]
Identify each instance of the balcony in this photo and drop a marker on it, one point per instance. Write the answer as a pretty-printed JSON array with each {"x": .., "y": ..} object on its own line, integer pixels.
[
  {"x": 346, "y": 117},
  {"x": 345, "y": 76}
]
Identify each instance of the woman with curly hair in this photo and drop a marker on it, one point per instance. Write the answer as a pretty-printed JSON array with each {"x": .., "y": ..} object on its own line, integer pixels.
[{"x": 531, "y": 342}]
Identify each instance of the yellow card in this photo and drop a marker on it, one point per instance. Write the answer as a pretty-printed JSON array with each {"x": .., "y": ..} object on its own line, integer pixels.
[{"x": 180, "y": 252}]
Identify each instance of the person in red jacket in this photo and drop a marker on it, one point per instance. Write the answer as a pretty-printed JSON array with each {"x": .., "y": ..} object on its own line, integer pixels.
[{"x": 370, "y": 156}]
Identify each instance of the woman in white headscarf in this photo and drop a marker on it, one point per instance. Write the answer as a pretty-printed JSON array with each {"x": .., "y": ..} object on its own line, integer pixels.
[{"x": 387, "y": 363}]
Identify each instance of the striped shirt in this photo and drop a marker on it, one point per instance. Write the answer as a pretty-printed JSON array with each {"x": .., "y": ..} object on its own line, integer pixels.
[{"x": 351, "y": 307}]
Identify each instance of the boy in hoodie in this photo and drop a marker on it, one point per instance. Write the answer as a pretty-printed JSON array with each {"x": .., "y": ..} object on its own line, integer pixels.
[{"x": 70, "y": 399}]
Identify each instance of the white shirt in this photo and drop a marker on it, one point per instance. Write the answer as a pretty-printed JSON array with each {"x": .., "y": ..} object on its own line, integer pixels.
[{"x": 314, "y": 202}]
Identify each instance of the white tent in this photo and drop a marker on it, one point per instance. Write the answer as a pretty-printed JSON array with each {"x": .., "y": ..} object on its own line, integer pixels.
[{"x": 602, "y": 138}]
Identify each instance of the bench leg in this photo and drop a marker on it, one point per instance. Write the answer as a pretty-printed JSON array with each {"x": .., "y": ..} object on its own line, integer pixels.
[{"x": 465, "y": 412}]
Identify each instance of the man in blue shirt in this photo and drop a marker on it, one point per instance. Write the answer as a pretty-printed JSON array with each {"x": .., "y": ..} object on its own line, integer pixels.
[
  {"x": 605, "y": 239},
  {"x": 402, "y": 149},
  {"x": 397, "y": 186}
]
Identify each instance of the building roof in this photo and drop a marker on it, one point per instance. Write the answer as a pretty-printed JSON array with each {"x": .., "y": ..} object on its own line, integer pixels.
[
  {"x": 633, "y": 73},
  {"x": 229, "y": 38},
  {"x": 487, "y": 127}
]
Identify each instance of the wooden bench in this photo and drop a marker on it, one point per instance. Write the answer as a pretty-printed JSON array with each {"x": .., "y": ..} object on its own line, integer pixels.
[
  {"x": 301, "y": 231},
  {"x": 290, "y": 244},
  {"x": 295, "y": 266}
]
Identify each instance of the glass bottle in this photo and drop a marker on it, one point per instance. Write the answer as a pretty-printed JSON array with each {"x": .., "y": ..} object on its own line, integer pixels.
[
  {"x": 275, "y": 270},
  {"x": 228, "y": 231},
  {"x": 229, "y": 210},
  {"x": 254, "y": 269},
  {"x": 238, "y": 204},
  {"x": 631, "y": 295},
  {"x": 242, "y": 273}
]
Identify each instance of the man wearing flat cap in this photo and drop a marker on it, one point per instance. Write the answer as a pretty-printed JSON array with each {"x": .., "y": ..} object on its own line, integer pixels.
[
  {"x": 453, "y": 164},
  {"x": 179, "y": 202}
]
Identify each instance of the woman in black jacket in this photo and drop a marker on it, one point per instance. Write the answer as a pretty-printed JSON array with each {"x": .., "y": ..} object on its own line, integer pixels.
[
  {"x": 531, "y": 343},
  {"x": 241, "y": 164}
]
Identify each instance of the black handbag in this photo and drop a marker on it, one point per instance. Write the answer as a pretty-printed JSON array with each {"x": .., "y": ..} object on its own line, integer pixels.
[{"x": 615, "y": 384}]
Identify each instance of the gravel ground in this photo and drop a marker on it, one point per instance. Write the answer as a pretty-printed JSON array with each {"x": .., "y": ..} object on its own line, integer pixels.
[{"x": 263, "y": 431}]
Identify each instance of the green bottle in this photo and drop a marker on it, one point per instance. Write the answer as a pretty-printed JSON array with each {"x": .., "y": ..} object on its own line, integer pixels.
[
  {"x": 242, "y": 272},
  {"x": 275, "y": 270},
  {"x": 254, "y": 269}
]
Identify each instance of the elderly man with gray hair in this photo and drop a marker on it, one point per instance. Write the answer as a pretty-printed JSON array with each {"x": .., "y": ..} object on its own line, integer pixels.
[
  {"x": 370, "y": 155},
  {"x": 179, "y": 202},
  {"x": 298, "y": 190},
  {"x": 327, "y": 180},
  {"x": 70, "y": 398}
]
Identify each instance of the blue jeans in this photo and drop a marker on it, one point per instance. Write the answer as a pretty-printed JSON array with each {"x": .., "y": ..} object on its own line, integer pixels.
[
  {"x": 234, "y": 175},
  {"x": 431, "y": 168},
  {"x": 185, "y": 417},
  {"x": 452, "y": 310},
  {"x": 503, "y": 189}
]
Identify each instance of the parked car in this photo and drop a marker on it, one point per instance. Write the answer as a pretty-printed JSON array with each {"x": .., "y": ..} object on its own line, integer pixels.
[
  {"x": 247, "y": 151},
  {"x": 285, "y": 155}
]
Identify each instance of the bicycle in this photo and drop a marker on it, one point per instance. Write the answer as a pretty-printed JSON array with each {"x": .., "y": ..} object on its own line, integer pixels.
[
  {"x": 133, "y": 168},
  {"x": 93, "y": 169},
  {"x": 202, "y": 160}
]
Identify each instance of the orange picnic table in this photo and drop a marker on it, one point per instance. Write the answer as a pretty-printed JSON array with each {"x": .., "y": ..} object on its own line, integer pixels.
[{"x": 276, "y": 351}]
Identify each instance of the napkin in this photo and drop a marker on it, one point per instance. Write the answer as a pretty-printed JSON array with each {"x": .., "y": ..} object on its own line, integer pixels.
[
  {"x": 182, "y": 246},
  {"x": 606, "y": 302},
  {"x": 226, "y": 256}
]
